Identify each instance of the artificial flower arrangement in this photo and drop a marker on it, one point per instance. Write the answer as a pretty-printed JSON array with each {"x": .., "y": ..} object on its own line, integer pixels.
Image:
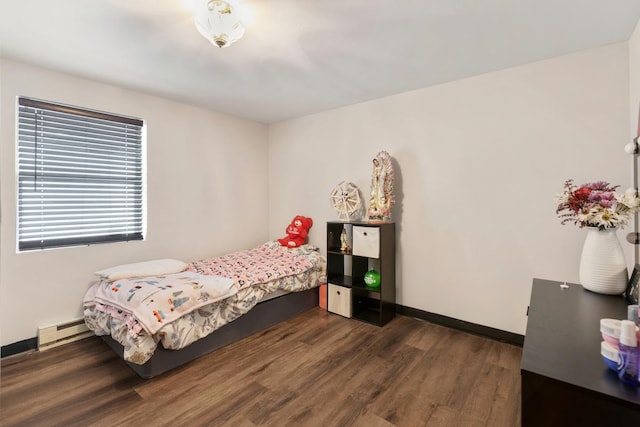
[{"x": 596, "y": 204}]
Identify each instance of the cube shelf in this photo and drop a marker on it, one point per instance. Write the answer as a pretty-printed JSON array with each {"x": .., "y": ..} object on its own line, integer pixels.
[{"x": 353, "y": 248}]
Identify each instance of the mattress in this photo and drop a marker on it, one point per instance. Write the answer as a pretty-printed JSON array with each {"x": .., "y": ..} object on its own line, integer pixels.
[{"x": 301, "y": 268}]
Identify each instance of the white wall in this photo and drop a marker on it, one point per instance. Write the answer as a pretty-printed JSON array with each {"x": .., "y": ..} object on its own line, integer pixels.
[
  {"x": 634, "y": 80},
  {"x": 479, "y": 162},
  {"x": 206, "y": 195}
]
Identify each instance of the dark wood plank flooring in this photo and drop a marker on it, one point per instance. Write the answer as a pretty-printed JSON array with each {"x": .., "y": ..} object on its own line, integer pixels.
[{"x": 317, "y": 369}]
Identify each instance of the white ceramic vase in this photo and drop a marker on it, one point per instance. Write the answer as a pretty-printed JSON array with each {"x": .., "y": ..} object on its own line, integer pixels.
[{"x": 603, "y": 268}]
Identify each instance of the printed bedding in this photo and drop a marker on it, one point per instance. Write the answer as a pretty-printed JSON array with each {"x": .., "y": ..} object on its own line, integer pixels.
[{"x": 252, "y": 274}]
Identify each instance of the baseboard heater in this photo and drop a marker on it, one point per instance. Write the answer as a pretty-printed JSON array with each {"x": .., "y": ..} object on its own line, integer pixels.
[{"x": 63, "y": 333}]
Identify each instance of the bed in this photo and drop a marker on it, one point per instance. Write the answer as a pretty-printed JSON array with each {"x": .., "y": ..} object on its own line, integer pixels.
[{"x": 246, "y": 291}]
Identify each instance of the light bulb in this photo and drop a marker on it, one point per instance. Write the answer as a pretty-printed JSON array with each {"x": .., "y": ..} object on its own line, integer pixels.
[{"x": 631, "y": 148}]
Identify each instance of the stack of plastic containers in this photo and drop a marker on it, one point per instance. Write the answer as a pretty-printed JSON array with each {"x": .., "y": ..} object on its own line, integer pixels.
[{"x": 619, "y": 349}]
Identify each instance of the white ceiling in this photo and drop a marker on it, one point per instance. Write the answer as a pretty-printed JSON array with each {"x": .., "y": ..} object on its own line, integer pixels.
[{"x": 302, "y": 56}]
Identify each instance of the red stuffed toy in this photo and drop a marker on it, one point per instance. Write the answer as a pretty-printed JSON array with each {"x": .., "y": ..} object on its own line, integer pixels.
[{"x": 296, "y": 232}]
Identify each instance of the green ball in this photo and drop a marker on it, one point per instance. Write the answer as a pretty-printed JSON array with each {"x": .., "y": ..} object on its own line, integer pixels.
[{"x": 372, "y": 279}]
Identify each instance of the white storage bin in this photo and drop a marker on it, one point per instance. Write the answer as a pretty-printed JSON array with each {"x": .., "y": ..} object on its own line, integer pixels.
[
  {"x": 339, "y": 300},
  {"x": 366, "y": 241}
]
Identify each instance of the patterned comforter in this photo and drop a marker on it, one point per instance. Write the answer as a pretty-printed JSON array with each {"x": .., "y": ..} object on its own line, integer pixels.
[{"x": 256, "y": 272}]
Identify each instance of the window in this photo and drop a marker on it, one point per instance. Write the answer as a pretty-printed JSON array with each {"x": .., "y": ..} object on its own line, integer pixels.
[{"x": 80, "y": 176}]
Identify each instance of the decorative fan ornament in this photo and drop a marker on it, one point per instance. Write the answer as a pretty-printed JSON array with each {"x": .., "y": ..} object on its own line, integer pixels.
[{"x": 345, "y": 199}]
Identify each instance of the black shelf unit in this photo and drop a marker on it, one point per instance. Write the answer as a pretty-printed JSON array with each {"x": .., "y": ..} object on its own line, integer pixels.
[{"x": 347, "y": 268}]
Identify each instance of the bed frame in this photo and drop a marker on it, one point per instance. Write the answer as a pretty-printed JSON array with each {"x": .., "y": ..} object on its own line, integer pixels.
[{"x": 262, "y": 316}]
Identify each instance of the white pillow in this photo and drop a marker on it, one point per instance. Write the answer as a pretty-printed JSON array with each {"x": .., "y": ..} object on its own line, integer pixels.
[{"x": 156, "y": 267}]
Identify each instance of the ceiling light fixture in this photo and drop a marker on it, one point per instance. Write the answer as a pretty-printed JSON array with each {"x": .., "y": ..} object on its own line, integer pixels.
[{"x": 218, "y": 22}]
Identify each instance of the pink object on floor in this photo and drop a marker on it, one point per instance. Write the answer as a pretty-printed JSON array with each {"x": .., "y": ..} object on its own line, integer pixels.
[{"x": 323, "y": 296}]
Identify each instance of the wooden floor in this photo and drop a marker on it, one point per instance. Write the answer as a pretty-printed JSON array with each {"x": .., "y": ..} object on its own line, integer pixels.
[{"x": 317, "y": 369}]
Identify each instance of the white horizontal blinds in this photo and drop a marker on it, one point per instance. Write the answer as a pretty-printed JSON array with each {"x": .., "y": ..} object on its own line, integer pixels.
[{"x": 79, "y": 176}]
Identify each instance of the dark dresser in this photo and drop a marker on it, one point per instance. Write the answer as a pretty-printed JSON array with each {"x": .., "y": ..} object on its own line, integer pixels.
[{"x": 564, "y": 380}]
